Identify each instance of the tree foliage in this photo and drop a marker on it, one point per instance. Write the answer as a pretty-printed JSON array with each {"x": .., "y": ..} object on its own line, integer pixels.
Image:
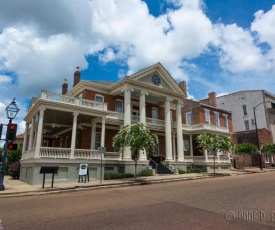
[
  {"x": 214, "y": 143},
  {"x": 246, "y": 148},
  {"x": 138, "y": 138},
  {"x": 268, "y": 149}
]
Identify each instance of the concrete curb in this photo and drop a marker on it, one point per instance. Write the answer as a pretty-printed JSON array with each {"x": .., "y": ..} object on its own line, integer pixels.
[{"x": 139, "y": 182}]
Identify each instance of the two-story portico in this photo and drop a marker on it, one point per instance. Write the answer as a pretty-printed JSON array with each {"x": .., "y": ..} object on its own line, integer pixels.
[{"x": 67, "y": 129}]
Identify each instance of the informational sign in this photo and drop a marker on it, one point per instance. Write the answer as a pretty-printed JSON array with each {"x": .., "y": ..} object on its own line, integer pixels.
[
  {"x": 83, "y": 169},
  {"x": 103, "y": 150}
]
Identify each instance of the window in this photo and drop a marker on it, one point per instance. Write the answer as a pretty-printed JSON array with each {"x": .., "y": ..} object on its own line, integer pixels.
[
  {"x": 97, "y": 140},
  {"x": 266, "y": 158},
  {"x": 186, "y": 145},
  {"x": 188, "y": 118},
  {"x": 66, "y": 142},
  {"x": 99, "y": 98},
  {"x": 119, "y": 106},
  {"x": 207, "y": 116},
  {"x": 217, "y": 119},
  {"x": 244, "y": 110},
  {"x": 61, "y": 142},
  {"x": 225, "y": 121},
  {"x": 246, "y": 124},
  {"x": 135, "y": 110},
  {"x": 156, "y": 151},
  {"x": 155, "y": 113}
]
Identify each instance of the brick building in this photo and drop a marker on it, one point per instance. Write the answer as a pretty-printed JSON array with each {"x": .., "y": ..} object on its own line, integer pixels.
[
  {"x": 67, "y": 129},
  {"x": 242, "y": 104}
]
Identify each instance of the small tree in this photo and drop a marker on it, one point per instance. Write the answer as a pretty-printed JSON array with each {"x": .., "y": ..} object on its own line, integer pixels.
[
  {"x": 269, "y": 149},
  {"x": 138, "y": 138},
  {"x": 214, "y": 143},
  {"x": 245, "y": 148}
]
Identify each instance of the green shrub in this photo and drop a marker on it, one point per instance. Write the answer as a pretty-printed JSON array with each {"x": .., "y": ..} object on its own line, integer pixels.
[
  {"x": 12, "y": 157},
  {"x": 145, "y": 172},
  {"x": 112, "y": 175},
  {"x": 14, "y": 170},
  {"x": 181, "y": 171},
  {"x": 196, "y": 170}
]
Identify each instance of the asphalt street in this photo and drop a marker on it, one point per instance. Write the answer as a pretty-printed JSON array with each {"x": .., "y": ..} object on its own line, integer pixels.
[{"x": 233, "y": 202}]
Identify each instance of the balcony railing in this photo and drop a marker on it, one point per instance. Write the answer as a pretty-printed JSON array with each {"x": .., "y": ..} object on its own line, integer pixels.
[
  {"x": 48, "y": 96},
  {"x": 205, "y": 127},
  {"x": 50, "y": 152},
  {"x": 210, "y": 159},
  {"x": 54, "y": 152}
]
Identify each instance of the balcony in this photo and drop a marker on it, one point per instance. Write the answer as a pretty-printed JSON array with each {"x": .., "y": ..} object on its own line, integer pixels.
[
  {"x": 59, "y": 98},
  {"x": 205, "y": 127}
]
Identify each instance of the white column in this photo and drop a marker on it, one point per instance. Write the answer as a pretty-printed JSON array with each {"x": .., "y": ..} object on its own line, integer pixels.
[
  {"x": 25, "y": 137},
  {"x": 127, "y": 106},
  {"x": 174, "y": 146},
  {"x": 206, "y": 155},
  {"x": 191, "y": 145},
  {"x": 31, "y": 135},
  {"x": 127, "y": 119},
  {"x": 179, "y": 132},
  {"x": 142, "y": 117},
  {"x": 39, "y": 132},
  {"x": 142, "y": 107},
  {"x": 73, "y": 134},
  {"x": 168, "y": 139},
  {"x": 102, "y": 141},
  {"x": 93, "y": 135}
]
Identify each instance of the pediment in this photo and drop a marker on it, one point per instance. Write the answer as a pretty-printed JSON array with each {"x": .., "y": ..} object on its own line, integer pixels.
[{"x": 157, "y": 76}]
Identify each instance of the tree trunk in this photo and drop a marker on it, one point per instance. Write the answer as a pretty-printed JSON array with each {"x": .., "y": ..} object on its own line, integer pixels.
[
  {"x": 135, "y": 169},
  {"x": 214, "y": 163},
  {"x": 243, "y": 161}
]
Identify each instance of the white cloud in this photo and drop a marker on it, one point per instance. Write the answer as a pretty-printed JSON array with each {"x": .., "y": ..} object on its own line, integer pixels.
[
  {"x": 41, "y": 46},
  {"x": 5, "y": 79},
  {"x": 239, "y": 53}
]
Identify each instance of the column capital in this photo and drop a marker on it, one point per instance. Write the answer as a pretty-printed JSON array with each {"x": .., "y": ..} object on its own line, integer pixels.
[
  {"x": 75, "y": 114},
  {"x": 42, "y": 108},
  {"x": 144, "y": 92},
  {"x": 127, "y": 89},
  {"x": 179, "y": 103},
  {"x": 168, "y": 99},
  {"x": 104, "y": 118}
]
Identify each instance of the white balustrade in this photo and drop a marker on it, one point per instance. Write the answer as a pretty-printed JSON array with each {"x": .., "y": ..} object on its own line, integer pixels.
[
  {"x": 198, "y": 158},
  {"x": 205, "y": 127},
  {"x": 115, "y": 115},
  {"x": 112, "y": 155},
  {"x": 72, "y": 100},
  {"x": 86, "y": 154},
  {"x": 188, "y": 158},
  {"x": 54, "y": 152},
  {"x": 153, "y": 121}
]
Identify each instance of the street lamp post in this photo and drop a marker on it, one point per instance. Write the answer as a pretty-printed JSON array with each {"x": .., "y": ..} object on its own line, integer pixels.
[
  {"x": 257, "y": 136},
  {"x": 11, "y": 112}
]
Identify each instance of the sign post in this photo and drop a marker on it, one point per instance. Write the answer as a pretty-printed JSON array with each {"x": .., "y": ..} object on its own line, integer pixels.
[{"x": 101, "y": 151}]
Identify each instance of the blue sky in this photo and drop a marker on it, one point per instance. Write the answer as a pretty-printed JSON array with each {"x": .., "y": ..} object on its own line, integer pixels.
[{"x": 215, "y": 45}]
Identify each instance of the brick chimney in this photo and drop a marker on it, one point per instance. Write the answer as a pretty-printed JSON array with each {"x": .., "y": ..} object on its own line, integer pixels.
[
  {"x": 212, "y": 99},
  {"x": 65, "y": 87},
  {"x": 183, "y": 86},
  {"x": 76, "y": 76}
]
